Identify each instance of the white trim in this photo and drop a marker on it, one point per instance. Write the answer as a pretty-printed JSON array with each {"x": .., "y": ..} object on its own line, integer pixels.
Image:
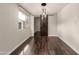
[
  {"x": 67, "y": 43},
  {"x": 18, "y": 45},
  {"x": 53, "y": 35}
]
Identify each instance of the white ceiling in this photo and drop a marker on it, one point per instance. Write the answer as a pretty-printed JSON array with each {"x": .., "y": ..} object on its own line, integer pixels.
[{"x": 36, "y": 8}]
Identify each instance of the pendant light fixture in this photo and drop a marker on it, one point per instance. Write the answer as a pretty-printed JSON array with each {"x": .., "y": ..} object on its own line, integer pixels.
[{"x": 43, "y": 10}]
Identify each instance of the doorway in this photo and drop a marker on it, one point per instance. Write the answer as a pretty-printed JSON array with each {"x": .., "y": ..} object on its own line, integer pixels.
[{"x": 41, "y": 25}]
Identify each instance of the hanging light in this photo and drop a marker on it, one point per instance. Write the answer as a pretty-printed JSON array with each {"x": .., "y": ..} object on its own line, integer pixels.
[{"x": 43, "y": 10}]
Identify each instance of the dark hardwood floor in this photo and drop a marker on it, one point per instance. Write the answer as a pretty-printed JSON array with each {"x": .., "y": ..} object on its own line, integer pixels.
[
  {"x": 57, "y": 47},
  {"x": 51, "y": 45},
  {"x": 43, "y": 45}
]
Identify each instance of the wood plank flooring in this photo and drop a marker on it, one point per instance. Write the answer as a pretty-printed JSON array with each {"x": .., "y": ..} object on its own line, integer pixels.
[
  {"x": 51, "y": 46},
  {"x": 57, "y": 47},
  {"x": 43, "y": 45}
]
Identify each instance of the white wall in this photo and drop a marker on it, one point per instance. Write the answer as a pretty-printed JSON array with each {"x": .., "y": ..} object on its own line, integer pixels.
[
  {"x": 10, "y": 36},
  {"x": 52, "y": 25},
  {"x": 32, "y": 25},
  {"x": 68, "y": 25},
  {"x": 36, "y": 24}
]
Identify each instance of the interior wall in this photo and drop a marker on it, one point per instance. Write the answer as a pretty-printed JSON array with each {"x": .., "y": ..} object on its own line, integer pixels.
[
  {"x": 52, "y": 25},
  {"x": 32, "y": 25},
  {"x": 36, "y": 24},
  {"x": 68, "y": 25},
  {"x": 10, "y": 36}
]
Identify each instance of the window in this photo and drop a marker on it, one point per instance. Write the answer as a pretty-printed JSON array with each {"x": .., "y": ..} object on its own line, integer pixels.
[
  {"x": 21, "y": 16},
  {"x": 22, "y": 19}
]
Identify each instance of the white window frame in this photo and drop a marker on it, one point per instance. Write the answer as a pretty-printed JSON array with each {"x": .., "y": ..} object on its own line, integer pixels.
[{"x": 22, "y": 22}]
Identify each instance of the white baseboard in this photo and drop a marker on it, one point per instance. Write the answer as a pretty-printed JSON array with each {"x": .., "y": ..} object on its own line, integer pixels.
[
  {"x": 52, "y": 35},
  {"x": 18, "y": 45},
  {"x": 63, "y": 39}
]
